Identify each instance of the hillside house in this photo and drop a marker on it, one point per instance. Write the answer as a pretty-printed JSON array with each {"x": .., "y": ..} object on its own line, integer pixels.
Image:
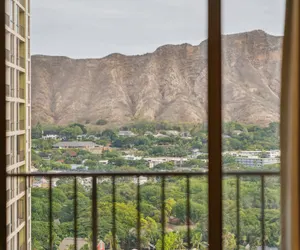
[
  {"x": 153, "y": 161},
  {"x": 126, "y": 133},
  {"x": 256, "y": 161},
  {"x": 49, "y": 137},
  {"x": 76, "y": 144},
  {"x": 67, "y": 242}
]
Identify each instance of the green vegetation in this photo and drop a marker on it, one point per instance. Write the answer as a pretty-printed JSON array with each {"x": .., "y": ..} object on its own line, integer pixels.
[
  {"x": 101, "y": 122},
  {"x": 153, "y": 140},
  {"x": 126, "y": 212}
]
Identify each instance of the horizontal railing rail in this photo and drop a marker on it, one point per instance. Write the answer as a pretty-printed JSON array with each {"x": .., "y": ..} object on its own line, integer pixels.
[
  {"x": 141, "y": 173},
  {"x": 238, "y": 175}
]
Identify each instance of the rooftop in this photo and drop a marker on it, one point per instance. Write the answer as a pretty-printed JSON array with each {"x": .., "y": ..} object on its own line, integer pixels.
[{"x": 75, "y": 144}]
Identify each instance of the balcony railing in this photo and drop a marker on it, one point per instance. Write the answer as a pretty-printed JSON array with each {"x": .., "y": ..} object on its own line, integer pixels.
[
  {"x": 21, "y": 62},
  {"x": 21, "y": 93},
  {"x": 21, "y": 156},
  {"x": 7, "y": 19},
  {"x": 8, "y": 195},
  {"x": 21, "y": 30},
  {"x": 7, "y": 55},
  {"x": 8, "y": 160},
  {"x": 23, "y": 247},
  {"x": 21, "y": 125},
  {"x": 12, "y": 126},
  {"x": 7, "y": 90},
  {"x": 162, "y": 178},
  {"x": 7, "y": 125},
  {"x": 22, "y": 2},
  {"x": 20, "y": 221},
  {"x": 8, "y": 229},
  {"x": 21, "y": 186}
]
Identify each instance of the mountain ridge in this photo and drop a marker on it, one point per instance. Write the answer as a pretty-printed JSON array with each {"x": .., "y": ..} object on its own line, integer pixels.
[{"x": 168, "y": 84}]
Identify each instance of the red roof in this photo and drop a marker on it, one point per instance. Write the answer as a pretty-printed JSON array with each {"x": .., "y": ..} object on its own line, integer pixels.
[
  {"x": 101, "y": 245},
  {"x": 72, "y": 153}
]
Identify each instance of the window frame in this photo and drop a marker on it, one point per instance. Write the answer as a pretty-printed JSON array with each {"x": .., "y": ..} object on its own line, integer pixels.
[{"x": 215, "y": 174}]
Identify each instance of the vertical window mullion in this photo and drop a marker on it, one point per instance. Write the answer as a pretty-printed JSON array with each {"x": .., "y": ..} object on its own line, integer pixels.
[{"x": 214, "y": 124}]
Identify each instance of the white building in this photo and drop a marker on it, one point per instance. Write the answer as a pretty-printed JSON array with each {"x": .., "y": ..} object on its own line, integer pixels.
[
  {"x": 142, "y": 180},
  {"x": 256, "y": 161},
  {"x": 49, "y": 137},
  {"x": 273, "y": 153},
  {"x": 132, "y": 158},
  {"x": 172, "y": 132},
  {"x": 267, "y": 248},
  {"x": 126, "y": 133},
  {"x": 153, "y": 161},
  {"x": 104, "y": 162},
  {"x": 268, "y": 154}
]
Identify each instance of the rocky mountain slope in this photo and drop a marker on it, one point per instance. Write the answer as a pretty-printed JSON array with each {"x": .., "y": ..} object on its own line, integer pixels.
[{"x": 169, "y": 84}]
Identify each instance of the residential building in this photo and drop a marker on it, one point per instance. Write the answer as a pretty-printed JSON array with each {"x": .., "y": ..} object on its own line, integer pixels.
[
  {"x": 68, "y": 242},
  {"x": 257, "y": 153},
  {"x": 141, "y": 180},
  {"x": 18, "y": 133},
  {"x": 132, "y": 157},
  {"x": 273, "y": 154},
  {"x": 48, "y": 137},
  {"x": 267, "y": 248},
  {"x": 104, "y": 162},
  {"x": 159, "y": 135},
  {"x": 256, "y": 161},
  {"x": 126, "y": 133},
  {"x": 153, "y": 161},
  {"x": 76, "y": 144},
  {"x": 172, "y": 132},
  {"x": 76, "y": 166}
]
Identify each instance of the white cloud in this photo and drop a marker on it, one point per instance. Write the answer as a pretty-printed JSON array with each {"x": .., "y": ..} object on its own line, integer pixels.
[{"x": 95, "y": 28}]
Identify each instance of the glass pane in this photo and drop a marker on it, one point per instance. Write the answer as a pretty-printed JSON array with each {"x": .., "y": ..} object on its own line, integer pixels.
[
  {"x": 121, "y": 86},
  {"x": 252, "y": 50}
]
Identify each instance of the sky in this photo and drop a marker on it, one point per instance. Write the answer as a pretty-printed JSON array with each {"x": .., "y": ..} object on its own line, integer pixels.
[{"x": 96, "y": 28}]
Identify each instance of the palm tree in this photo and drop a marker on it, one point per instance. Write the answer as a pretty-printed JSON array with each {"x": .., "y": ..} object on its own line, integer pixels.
[
  {"x": 198, "y": 242},
  {"x": 71, "y": 247},
  {"x": 178, "y": 243}
]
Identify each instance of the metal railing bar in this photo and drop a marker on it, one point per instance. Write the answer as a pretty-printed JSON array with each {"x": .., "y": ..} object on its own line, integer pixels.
[
  {"x": 163, "y": 206},
  {"x": 114, "y": 212},
  {"x": 159, "y": 174},
  {"x": 138, "y": 207},
  {"x": 238, "y": 212},
  {"x": 75, "y": 213},
  {"x": 94, "y": 212},
  {"x": 26, "y": 207},
  {"x": 262, "y": 224},
  {"x": 50, "y": 214},
  {"x": 188, "y": 212}
]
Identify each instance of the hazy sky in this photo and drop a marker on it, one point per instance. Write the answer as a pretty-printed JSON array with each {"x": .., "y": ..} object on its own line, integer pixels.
[{"x": 96, "y": 28}]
